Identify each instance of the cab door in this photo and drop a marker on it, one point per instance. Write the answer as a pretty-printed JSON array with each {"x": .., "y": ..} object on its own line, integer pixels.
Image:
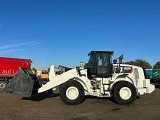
[{"x": 104, "y": 68}]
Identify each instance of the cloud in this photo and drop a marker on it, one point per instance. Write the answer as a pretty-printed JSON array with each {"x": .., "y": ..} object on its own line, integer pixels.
[
  {"x": 16, "y": 47},
  {"x": 8, "y": 51},
  {"x": 19, "y": 45}
]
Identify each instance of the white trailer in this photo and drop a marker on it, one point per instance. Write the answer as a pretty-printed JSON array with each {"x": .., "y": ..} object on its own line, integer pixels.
[{"x": 99, "y": 77}]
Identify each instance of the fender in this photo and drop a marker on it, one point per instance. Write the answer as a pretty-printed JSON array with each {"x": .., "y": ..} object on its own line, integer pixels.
[
  {"x": 121, "y": 78},
  {"x": 84, "y": 83}
]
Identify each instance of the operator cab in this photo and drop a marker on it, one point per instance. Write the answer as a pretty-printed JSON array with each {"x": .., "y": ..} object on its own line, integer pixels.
[{"x": 99, "y": 64}]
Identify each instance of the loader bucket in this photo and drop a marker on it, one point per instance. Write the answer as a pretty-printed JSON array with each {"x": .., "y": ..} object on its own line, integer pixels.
[{"x": 24, "y": 83}]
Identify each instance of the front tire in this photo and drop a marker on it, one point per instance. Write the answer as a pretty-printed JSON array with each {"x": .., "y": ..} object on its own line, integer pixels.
[
  {"x": 72, "y": 92},
  {"x": 124, "y": 93}
]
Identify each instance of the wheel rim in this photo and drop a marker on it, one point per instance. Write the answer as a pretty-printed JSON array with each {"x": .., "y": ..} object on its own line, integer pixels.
[
  {"x": 2, "y": 85},
  {"x": 125, "y": 93},
  {"x": 72, "y": 93}
]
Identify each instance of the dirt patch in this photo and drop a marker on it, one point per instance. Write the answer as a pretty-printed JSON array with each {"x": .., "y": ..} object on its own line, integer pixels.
[{"x": 48, "y": 106}]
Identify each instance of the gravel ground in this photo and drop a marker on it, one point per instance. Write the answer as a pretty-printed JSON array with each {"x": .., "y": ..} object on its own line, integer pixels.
[{"x": 48, "y": 106}]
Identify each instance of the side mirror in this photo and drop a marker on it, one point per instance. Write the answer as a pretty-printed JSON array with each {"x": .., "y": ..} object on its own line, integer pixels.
[{"x": 120, "y": 58}]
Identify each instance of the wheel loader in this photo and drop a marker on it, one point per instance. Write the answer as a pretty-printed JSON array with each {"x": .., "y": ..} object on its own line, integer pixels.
[{"x": 100, "y": 77}]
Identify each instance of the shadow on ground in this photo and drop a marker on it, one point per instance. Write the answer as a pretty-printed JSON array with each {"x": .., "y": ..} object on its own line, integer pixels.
[
  {"x": 50, "y": 94},
  {"x": 157, "y": 84},
  {"x": 42, "y": 96}
]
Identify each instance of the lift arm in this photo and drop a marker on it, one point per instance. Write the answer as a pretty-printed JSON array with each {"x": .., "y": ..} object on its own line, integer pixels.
[{"x": 55, "y": 80}]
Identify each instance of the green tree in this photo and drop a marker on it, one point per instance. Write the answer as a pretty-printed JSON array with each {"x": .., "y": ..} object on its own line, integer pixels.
[
  {"x": 141, "y": 63},
  {"x": 157, "y": 65}
]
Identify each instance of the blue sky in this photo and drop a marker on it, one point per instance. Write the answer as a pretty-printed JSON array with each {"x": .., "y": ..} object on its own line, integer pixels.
[{"x": 62, "y": 32}]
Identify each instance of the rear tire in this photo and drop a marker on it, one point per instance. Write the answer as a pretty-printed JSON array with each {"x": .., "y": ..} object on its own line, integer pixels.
[
  {"x": 72, "y": 93},
  {"x": 124, "y": 93}
]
